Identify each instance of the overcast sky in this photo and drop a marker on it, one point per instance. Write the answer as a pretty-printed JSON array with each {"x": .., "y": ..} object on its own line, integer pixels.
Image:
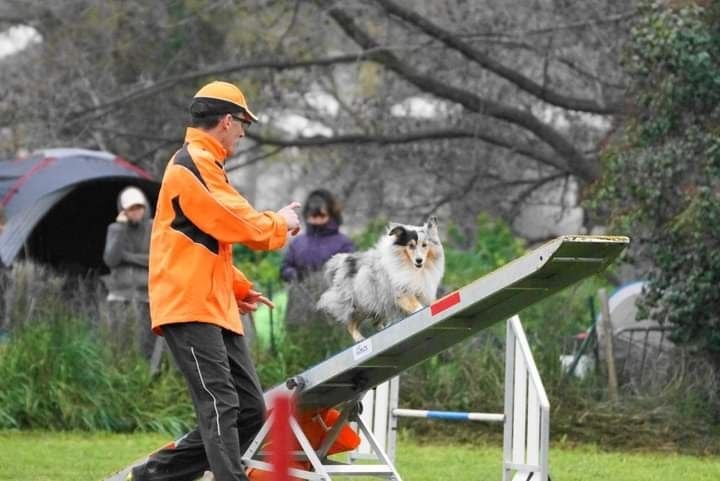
[{"x": 16, "y": 38}]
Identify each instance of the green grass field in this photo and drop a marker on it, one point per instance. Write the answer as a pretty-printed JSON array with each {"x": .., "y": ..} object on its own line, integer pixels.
[{"x": 43, "y": 456}]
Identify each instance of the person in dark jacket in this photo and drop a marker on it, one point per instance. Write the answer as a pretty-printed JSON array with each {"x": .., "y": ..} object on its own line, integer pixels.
[
  {"x": 321, "y": 240},
  {"x": 303, "y": 262},
  {"x": 126, "y": 254}
]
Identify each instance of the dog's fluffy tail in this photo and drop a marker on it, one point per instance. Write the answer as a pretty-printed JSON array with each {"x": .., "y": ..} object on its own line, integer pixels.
[
  {"x": 333, "y": 266},
  {"x": 336, "y": 301}
]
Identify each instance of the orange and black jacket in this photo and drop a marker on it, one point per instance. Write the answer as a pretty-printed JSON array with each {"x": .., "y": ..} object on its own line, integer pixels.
[{"x": 199, "y": 216}]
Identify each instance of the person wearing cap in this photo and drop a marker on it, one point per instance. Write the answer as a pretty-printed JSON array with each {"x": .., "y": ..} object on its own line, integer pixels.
[
  {"x": 197, "y": 295},
  {"x": 126, "y": 254}
]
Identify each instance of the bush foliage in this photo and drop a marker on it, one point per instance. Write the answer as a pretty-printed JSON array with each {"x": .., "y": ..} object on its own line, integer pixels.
[
  {"x": 61, "y": 372},
  {"x": 58, "y": 375},
  {"x": 662, "y": 172},
  {"x": 60, "y": 368}
]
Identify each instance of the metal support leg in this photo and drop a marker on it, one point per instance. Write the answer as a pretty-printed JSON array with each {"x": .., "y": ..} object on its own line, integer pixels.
[
  {"x": 345, "y": 412},
  {"x": 323, "y": 468},
  {"x": 259, "y": 438},
  {"x": 382, "y": 456},
  {"x": 309, "y": 451}
]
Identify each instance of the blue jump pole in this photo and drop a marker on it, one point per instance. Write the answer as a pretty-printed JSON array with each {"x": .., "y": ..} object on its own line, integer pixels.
[{"x": 448, "y": 415}]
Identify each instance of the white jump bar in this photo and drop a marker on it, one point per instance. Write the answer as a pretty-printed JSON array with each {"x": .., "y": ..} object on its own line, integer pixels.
[{"x": 449, "y": 415}]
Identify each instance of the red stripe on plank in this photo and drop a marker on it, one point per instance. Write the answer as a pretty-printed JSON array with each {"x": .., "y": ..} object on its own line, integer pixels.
[{"x": 445, "y": 303}]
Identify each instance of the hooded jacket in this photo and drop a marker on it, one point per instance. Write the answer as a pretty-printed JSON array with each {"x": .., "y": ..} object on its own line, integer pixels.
[
  {"x": 311, "y": 250},
  {"x": 126, "y": 254},
  {"x": 199, "y": 216}
]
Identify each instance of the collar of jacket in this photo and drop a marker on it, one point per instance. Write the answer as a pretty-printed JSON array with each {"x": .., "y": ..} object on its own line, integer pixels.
[
  {"x": 329, "y": 228},
  {"x": 207, "y": 142}
]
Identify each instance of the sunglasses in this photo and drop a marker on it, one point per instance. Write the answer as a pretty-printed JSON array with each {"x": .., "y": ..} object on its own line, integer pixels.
[{"x": 246, "y": 123}]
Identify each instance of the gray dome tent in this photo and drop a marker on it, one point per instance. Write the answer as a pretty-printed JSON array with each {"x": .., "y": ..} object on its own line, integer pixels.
[{"x": 59, "y": 202}]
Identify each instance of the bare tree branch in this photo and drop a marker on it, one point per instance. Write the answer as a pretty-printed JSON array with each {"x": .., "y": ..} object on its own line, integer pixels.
[
  {"x": 513, "y": 145},
  {"x": 524, "y": 194},
  {"x": 254, "y": 160},
  {"x": 579, "y": 166},
  {"x": 574, "y": 160},
  {"x": 13, "y": 20},
  {"x": 158, "y": 86},
  {"x": 620, "y": 17},
  {"x": 516, "y": 44},
  {"x": 463, "y": 190},
  {"x": 319, "y": 141},
  {"x": 138, "y": 135},
  {"x": 520, "y": 80},
  {"x": 451, "y": 195},
  {"x": 281, "y": 39}
]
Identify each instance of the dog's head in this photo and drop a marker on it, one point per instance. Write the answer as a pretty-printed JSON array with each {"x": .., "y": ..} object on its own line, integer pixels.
[{"x": 421, "y": 244}]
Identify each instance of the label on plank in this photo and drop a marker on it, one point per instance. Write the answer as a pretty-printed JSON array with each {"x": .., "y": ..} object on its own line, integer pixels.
[{"x": 362, "y": 349}]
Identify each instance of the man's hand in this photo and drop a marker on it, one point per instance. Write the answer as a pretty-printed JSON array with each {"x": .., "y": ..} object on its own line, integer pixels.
[
  {"x": 291, "y": 218},
  {"x": 250, "y": 303}
]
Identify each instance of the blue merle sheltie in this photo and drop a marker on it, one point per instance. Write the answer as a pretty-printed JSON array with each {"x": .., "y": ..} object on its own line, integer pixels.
[{"x": 396, "y": 277}]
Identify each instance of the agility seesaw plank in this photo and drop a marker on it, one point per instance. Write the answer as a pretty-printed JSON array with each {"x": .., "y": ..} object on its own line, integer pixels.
[
  {"x": 451, "y": 319},
  {"x": 448, "y": 321}
]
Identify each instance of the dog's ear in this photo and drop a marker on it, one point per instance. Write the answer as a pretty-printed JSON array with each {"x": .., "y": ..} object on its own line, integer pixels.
[
  {"x": 396, "y": 230},
  {"x": 391, "y": 227},
  {"x": 432, "y": 228},
  {"x": 403, "y": 235}
]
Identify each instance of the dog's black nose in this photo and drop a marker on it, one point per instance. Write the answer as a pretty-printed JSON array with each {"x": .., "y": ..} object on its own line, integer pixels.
[{"x": 418, "y": 263}]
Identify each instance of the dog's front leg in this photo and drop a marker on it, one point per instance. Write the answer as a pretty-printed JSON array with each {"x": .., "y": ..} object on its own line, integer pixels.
[
  {"x": 409, "y": 303},
  {"x": 353, "y": 329}
]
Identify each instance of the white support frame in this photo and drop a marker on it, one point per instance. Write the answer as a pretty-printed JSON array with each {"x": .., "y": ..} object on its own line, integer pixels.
[
  {"x": 323, "y": 467},
  {"x": 526, "y": 439},
  {"x": 378, "y": 415},
  {"x": 526, "y": 415}
]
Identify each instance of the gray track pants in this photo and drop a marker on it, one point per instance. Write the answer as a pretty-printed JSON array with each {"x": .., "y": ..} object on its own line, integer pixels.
[{"x": 228, "y": 404}]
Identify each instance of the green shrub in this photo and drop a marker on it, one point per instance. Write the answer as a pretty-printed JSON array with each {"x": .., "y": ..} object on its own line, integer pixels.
[
  {"x": 369, "y": 236},
  {"x": 57, "y": 374},
  {"x": 662, "y": 173},
  {"x": 261, "y": 267},
  {"x": 494, "y": 245}
]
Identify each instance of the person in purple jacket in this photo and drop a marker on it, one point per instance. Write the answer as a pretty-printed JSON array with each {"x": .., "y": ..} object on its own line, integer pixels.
[{"x": 308, "y": 253}]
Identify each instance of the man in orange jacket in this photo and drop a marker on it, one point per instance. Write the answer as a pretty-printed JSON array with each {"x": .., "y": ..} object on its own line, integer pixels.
[{"x": 197, "y": 295}]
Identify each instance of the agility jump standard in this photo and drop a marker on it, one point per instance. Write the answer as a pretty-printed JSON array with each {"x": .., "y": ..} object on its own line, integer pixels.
[
  {"x": 526, "y": 414},
  {"x": 342, "y": 380}
]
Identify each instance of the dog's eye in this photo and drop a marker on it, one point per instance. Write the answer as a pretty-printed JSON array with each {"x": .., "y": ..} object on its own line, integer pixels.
[{"x": 424, "y": 244}]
